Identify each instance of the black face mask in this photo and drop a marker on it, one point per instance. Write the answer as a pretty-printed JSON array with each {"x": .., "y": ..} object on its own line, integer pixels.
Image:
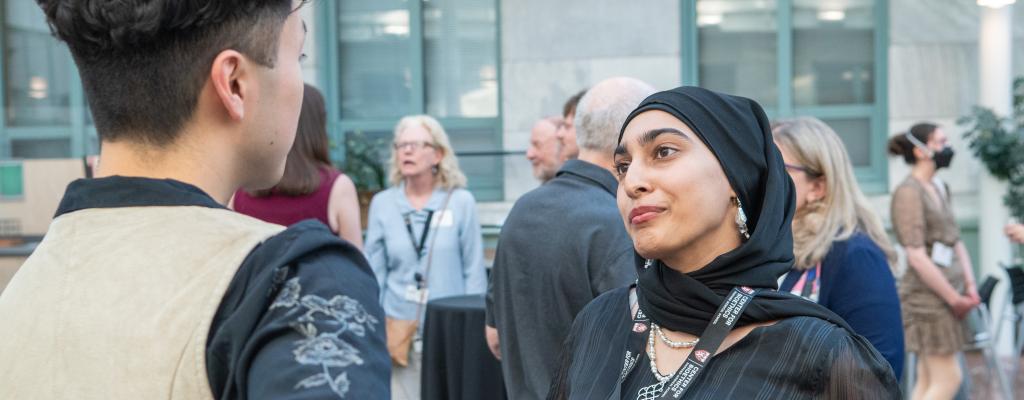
[{"x": 943, "y": 158}]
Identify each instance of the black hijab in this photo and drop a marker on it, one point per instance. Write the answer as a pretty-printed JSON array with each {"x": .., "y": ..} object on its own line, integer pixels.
[{"x": 737, "y": 131}]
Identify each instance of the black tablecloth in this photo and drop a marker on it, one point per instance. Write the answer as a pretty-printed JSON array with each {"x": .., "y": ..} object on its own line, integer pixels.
[{"x": 456, "y": 362}]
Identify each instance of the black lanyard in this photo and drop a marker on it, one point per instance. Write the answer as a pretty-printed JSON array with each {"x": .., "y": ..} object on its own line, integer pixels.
[
  {"x": 423, "y": 237},
  {"x": 710, "y": 340}
]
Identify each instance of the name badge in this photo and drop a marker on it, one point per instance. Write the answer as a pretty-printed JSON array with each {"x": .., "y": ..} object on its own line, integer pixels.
[
  {"x": 443, "y": 219},
  {"x": 414, "y": 295},
  {"x": 942, "y": 255}
]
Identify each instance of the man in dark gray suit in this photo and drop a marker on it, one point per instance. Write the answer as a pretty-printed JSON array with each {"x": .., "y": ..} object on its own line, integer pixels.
[{"x": 562, "y": 245}]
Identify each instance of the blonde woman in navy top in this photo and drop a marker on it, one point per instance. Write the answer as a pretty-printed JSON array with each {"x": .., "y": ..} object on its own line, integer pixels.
[{"x": 843, "y": 255}]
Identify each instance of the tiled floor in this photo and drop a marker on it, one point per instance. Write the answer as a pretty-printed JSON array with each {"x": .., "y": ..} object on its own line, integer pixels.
[
  {"x": 405, "y": 382},
  {"x": 983, "y": 383}
]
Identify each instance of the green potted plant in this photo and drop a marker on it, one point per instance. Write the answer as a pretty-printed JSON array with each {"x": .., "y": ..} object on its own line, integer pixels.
[
  {"x": 999, "y": 143},
  {"x": 366, "y": 159}
]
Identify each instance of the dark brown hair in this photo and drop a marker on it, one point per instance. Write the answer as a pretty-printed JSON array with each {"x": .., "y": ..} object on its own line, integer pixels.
[
  {"x": 143, "y": 62},
  {"x": 899, "y": 145},
  {"x": 570, "y": 105},
  {"x": 309, "y": 154}
]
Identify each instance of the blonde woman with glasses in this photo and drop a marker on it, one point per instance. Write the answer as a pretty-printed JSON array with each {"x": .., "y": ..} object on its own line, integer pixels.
[
  {"x": 423, "y": 239},
  {"x": 843, "y": 255}
]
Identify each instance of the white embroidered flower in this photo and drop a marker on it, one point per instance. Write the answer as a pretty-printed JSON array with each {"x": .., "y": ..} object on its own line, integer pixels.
[
  {"x": 328, "y": 350},
  {"x": 289, "y": 294},
  {"x": 341, "y": 314}
]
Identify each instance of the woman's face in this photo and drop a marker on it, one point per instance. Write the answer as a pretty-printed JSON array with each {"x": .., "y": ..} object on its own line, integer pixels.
[
  {"x": 673, "y": 194},
  {"x": 808, "y": 189},
  {"x": 936, "y": 142},
  {"x": 415, "y": 151}
]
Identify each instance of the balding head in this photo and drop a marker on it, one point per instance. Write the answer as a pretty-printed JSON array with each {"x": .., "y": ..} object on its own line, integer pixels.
[
  {"x": 602, "y": 110},
  {"x": 543, "y": 150}
]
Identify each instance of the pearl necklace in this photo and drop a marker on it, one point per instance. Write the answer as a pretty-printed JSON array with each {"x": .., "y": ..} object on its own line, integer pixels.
[
  {"x": 656, "y": 330},
  {"x": 653, "y": 359},
  {"x": 671, "y": 343}
]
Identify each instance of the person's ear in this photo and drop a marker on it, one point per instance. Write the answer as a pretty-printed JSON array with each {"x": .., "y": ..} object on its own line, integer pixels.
[
  {"x": 230, "y": 82},
  {"x": 438, "y": 155},
  {"x": 818, "y": 190},
  {"x": 920, "y": 154}
]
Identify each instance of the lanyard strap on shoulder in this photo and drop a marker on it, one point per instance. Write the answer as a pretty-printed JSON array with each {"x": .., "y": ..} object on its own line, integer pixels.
[{"x": 710, "y": 340}]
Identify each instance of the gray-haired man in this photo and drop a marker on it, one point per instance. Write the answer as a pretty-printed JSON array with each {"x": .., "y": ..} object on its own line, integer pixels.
[{"x": 562, "y": 245}]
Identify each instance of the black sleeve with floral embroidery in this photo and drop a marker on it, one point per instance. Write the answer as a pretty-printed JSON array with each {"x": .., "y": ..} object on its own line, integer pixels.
[{"x": 301, "y": 320}]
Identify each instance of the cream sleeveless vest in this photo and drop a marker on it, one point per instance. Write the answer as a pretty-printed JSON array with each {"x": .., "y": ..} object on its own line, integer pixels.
[{"x": 117, "y": 303}]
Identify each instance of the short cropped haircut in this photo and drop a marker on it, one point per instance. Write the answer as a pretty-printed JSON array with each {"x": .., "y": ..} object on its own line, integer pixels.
[{"x": 144, "y": 62}]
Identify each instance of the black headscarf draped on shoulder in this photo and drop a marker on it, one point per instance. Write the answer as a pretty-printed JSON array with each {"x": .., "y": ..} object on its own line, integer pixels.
[{"x": 737, "y": 131}]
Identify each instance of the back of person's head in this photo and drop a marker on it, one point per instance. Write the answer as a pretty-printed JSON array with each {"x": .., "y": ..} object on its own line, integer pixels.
[
  {"x": 901, "y": 145},
  {"x": 309, "y": 153},
  {"x": 844, "y": 210},
  {"x": 602, "y": 110},
  {"x": 449, "y": 175},
  {"x": 569, "y": 108},
  {"x": 143, "y": 63}
]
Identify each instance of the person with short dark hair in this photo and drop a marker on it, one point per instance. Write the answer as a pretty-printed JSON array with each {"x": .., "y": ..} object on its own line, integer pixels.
[
  {"x": 311, "y": 188},
  {"x": 145, "y": 285},
  {"x": 567, "y": 130},
  {"x": 937, "y": 290}
]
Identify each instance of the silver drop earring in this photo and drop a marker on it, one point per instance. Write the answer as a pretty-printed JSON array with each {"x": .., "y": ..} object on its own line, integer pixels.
[
  {"x": 648, "y": 263},
  {"x": 741, "y": 219}
]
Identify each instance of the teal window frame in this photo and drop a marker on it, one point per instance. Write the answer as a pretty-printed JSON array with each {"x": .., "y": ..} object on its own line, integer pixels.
[
  {"x": 328, "y": 65},
  {"x": 80, "y": 135},
  {"x": 873, "y": 178}
]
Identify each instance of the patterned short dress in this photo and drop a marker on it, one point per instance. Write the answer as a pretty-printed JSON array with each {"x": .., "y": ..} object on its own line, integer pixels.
[{"x": 921, "y": 221}]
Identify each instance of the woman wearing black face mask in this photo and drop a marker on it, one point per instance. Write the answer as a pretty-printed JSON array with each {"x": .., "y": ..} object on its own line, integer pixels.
[{"x": 938, "y": 288}]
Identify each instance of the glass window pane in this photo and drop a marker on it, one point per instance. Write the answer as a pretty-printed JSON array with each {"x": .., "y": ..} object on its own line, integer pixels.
[
  {"x": 738, "y": 47},
  {"x": 375, "y": 59},
  {"x": 460, "y": 54},
  {"x": 37, "y": 69},
  {"x": 856, "y": 135},
  {"x": 484, "y": 172},
  {"x": 45, "y": 148},
  {"x": 833, "y": 52},
  {"x": 11, "y": 185}
]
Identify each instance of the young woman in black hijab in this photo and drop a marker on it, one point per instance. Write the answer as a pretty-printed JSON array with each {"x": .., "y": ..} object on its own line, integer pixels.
[{"x": 705, "y": 196}]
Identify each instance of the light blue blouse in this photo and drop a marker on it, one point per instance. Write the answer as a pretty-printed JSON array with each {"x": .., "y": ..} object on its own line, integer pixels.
[{"x": 458, "y": 258}]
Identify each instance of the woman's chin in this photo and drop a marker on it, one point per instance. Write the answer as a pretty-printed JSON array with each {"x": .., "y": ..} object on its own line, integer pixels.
[{"x": 647, "y": 248}]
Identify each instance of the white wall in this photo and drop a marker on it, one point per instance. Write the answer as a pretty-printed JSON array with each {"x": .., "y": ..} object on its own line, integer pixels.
[{"x": 553, "y": 49}]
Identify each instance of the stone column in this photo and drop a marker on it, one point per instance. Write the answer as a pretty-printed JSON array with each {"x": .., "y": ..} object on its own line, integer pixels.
[{"x": 994, "y": 60}]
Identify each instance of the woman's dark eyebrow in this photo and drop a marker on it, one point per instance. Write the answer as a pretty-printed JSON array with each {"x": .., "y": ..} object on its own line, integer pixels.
[{"x": 650, "y": 135}]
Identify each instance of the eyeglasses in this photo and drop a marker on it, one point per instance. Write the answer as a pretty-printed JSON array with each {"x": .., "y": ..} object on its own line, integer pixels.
[
  {"x": 414, "y": 145},
  {"x": 811, "y": 173}
]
